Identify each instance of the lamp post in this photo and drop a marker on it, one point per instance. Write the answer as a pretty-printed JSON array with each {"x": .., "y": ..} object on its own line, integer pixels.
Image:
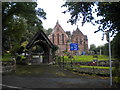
[{"x": 110, "y": 62}]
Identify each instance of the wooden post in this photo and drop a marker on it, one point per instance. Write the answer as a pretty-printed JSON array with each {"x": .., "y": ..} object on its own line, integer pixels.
[
  {"x": 63, "y": 61},
  {"x": 71, "y": 64}
]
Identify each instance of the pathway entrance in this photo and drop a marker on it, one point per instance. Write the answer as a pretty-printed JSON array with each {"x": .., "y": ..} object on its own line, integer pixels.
[{"x": 50, "y": 76}]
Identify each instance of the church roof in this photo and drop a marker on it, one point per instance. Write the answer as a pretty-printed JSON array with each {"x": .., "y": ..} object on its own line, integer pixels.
[
  {"x": 58, "y": 27},
  {"x": 77, "y": 31}
]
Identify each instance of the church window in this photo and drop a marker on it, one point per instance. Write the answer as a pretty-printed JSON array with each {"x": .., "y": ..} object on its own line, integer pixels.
[
  {"x": 57, "y": 29},
  {"x": 58, "y": 38},
  {"x": 80, "y": 41},
  {"x": 62, "y": 38},
  {"x": 53, "y": 38},
  {"x": 76, "y": 40}
]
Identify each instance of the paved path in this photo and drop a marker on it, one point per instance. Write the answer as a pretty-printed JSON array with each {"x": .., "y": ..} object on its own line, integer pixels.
[{"x": 50, "y": 76}]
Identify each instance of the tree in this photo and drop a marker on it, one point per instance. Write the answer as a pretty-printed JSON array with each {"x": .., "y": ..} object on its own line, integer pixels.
[
  {"x": 99, "y": 49},
  {"x": 48, "y": 32},
  {"x": 105, "y": 49},
  {"x": 92, "y": 47},
  {"x": 20, "y": 21},
  {"x": 54, "y": 49},
  {"x": 115, "y": 46},
  {"x": 14, "y": 28},
  {"x": 84, "y": 10}
]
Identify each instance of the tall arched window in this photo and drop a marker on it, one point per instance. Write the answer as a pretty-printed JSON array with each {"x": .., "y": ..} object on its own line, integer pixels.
[
  {"x": 76, "y": 40},
  {"x": 62, "y": 38},
  {"x": 81, "y": 41},
  {"x": 53, "y": 38},
  {"x": 58, "y": 38}
]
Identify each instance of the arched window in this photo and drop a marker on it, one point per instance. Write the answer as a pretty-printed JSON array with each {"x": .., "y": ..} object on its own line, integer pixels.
[
  {"x": 58, "y": 38},
  {"x": 62, "y": 38},
  {"x": 80, "y": 41},
  {"x": 53, "y": 38},
  {"x": 76, "y": 40},
  {"x": 58, "y": 29}
]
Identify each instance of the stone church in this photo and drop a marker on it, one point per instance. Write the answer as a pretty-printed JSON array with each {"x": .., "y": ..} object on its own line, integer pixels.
[{"x": 63, "y": 39}]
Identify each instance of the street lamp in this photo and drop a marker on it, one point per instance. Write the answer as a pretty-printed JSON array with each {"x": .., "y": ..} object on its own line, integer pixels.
[{"x": 108, "y": 39}]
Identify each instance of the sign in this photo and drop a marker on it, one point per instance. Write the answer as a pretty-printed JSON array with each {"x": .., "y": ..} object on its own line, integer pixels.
[{"x": 73, "y": 46}]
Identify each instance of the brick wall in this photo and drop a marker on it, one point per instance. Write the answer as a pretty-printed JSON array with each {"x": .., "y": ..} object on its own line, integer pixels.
[{"x": 76, "y": 37}]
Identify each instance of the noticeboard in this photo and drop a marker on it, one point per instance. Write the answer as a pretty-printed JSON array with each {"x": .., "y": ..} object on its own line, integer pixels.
[{"x": 73, "y": 46}]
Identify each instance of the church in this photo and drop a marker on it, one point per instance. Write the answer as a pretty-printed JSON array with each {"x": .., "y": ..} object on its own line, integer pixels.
[{"x": 63, "y": 39}]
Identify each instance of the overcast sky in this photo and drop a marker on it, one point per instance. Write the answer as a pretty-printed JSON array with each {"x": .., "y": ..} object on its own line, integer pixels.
[{"x": 54, "y": 13}]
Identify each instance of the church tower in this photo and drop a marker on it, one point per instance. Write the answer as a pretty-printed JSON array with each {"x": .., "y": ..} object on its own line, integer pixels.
[{"x": 81, "y": 39}]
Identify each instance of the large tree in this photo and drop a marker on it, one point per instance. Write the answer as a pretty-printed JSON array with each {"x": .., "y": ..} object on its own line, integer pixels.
[
  {"x": 48, "y": 31},
  {"x": 20, "y": 21},
  {"x": 85, "y": 10}
]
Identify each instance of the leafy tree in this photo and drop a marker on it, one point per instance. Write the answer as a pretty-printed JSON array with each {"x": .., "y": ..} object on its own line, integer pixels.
[
  {"x": 105, "y": 49},
  {"x": 25, "y": 9},
  {"x": 99, "y": 49},
  {"x": 92, "y": 47},
  {"x": 20, "y": 21},
  {"x": 84, "y": 10},
  {"x": 14, "y": 28},
  {"x": 115, "y": 46},
  {"x": 48, "y": 32},
  {"x": 54, "y": 48}
]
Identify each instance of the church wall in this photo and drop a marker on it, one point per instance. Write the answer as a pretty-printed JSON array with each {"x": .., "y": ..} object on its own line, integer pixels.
[{"x": 77, "y": 37}]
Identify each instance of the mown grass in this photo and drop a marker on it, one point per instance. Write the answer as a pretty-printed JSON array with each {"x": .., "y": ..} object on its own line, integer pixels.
[
  {"x": 7, "y": 57},
  {"x": 84, "y": 66},
  {"x": 87, "y": 58},
  {"x": 98, "y": 67}
]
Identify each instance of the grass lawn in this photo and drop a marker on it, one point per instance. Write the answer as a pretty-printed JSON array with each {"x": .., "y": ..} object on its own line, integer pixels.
[
  {"x": 84, "y": 66},
  {"x": 87, "y": 58},
  {"x": 98, "y": 67},
  {"x": 7, "y": 57}
]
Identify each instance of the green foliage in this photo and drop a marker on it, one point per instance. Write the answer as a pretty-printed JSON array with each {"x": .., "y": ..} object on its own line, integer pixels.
[
  {"x": 54, "y": 48},
  {"x": 24, "y": 43},
  {"x": 92, "y": 47},
  {"x": 48, "y": 32},
  {"x": 37, "y": 48},
  {"x": 105, "y": 49},
  {"x": 90, "y": 58},
  {"x": 15, "y": 47},
  {"x": 79, "y": 10},
  {"x": 115, "y": 46},
  {"x": 87, "y": 58},
  {"x": 20, "y": 21},
  {"x": 98, "y": 67},
  {"x": 84, "y": 10},
  {"x": 7, "y": 57}
]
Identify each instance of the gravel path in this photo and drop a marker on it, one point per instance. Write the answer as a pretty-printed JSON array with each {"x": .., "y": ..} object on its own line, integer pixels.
[{"x": 50, "y": 76}]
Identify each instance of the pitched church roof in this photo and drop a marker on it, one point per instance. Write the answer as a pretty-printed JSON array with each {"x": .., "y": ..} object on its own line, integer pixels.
[
  {"x": 77, "y": 31},
  {"x": 58, "y": 28}
]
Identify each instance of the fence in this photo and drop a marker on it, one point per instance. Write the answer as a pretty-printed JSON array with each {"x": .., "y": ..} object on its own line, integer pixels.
[{"x": 71, "y": 64}]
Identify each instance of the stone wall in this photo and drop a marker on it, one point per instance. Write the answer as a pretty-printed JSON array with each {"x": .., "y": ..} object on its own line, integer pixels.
[{"x": 8, "y": 66}]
